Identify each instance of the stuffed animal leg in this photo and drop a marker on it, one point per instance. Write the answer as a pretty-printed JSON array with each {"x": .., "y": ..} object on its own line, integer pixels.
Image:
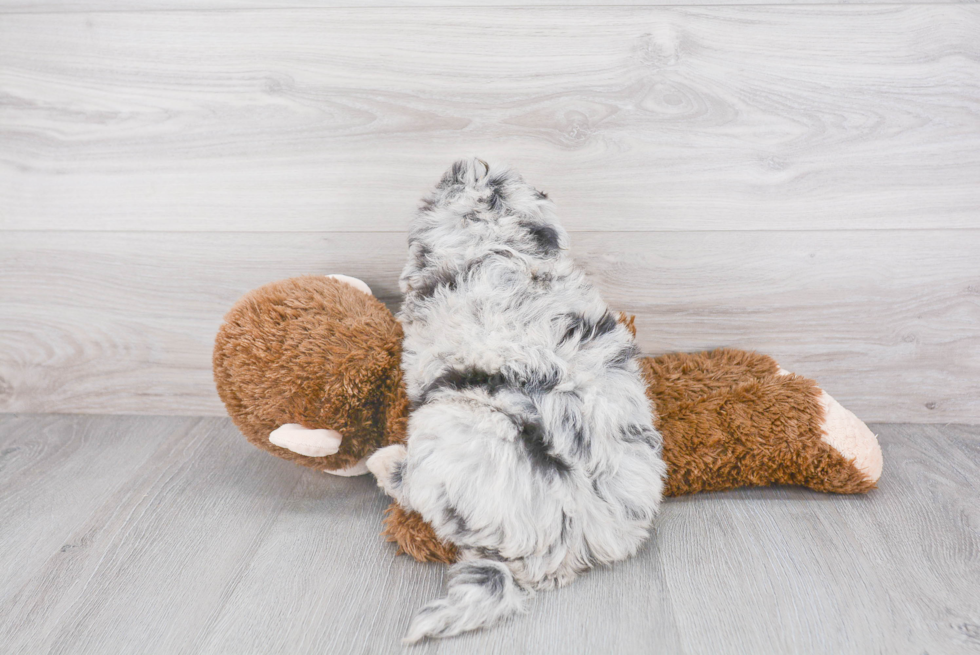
[
  {"x": 732, "y": 418},
  {"x": 308, "y": 369}
]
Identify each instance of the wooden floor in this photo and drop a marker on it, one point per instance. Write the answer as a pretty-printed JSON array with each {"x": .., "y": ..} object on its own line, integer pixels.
[{"x": 173, "y": 535}]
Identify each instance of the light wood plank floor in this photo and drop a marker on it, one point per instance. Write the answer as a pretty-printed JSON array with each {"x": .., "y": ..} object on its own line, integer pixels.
[{"x": 173, "y": 535}]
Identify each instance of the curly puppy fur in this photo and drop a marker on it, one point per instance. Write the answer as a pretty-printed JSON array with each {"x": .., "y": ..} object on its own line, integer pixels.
[
  {"x": 315, "y": 351},
  {"x": 531, "y": 445},
  {"x": 728, "y": 418}
]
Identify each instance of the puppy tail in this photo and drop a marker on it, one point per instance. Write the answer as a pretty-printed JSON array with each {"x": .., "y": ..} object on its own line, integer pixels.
[{"x": 481, "y": 592}]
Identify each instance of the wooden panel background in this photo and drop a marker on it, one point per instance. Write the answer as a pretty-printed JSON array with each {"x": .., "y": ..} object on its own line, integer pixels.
[
  {"x": 801, "y": 180},
  {"x": 634, "y": 119},
  {"x": 67, "y": 6}
]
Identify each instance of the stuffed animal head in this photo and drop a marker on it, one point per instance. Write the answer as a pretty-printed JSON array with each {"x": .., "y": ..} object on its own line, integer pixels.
[{"x": 320, "y": 352}]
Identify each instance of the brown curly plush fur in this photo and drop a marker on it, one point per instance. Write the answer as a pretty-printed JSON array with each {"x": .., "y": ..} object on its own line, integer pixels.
[
  {"x": 317, "y": 352},
  {"x": 415, "y": 537},
  {"x": 314, "y": 351},
  {"x": 729, "y": 419}
]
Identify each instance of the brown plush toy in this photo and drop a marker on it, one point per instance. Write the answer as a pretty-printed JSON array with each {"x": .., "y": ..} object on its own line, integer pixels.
[{"x": 309, "y": 369}]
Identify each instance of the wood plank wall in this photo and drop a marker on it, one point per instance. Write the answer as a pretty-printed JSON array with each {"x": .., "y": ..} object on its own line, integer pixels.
[{"x": 803, "y": 180}]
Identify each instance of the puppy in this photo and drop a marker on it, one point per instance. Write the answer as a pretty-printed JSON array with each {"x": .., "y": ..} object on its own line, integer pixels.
[{"x": 531, "y": 444}]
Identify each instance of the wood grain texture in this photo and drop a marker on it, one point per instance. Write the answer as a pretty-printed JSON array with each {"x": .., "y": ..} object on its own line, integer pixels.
[
  {"x": 916, "y": 532},
  {"x": 165, "y": 549},
  {"x": 735, "y": 118},
  {"x": 125, "y": 322},
  {"x": 66, "y": 6},
  {"x": 55, "y": 472},
  {"x": 211, "y": 546}
]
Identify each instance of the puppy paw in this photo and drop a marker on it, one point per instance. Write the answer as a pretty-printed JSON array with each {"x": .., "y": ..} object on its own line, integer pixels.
[{"x": 386, "y": 465}]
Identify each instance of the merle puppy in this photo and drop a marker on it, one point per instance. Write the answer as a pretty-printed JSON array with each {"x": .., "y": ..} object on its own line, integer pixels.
[{"x": 531, "y": 445}]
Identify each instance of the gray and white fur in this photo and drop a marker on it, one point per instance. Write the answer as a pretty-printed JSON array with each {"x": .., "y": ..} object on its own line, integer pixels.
[{"x": 531, "y": 443}]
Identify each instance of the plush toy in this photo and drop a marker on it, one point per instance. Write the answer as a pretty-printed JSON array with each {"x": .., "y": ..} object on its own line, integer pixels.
[{"x": 309, "y": 370}]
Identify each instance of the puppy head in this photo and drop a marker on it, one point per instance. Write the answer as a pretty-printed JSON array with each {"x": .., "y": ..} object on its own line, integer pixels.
[{"x": 492, "y": 202}]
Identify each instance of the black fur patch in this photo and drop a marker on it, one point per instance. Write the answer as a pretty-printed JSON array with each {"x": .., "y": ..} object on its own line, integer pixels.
[
  {"x": 542, "y": 459},
  {"x": 605, "y": 325},
  {"x": 455, "y": 175},
  {"x": 625, "y": 355},
  {"x": 571, "y": 425},
  {"x": 542, "y": 280},
  {"x": 634, "y": 513},
  {"x": 545, "y": 238},
  {"x": 580, "y": 441},
  {"x": 451, "y": 515},
  {"x": 498, "y": 252},
  {"x": 496, "y": 198},
  {"x": 566, "y": 525},
  {"x": 541, "y": 195},
  {"x": 586, "y": 330},
  {"x": 422, "y": 253},
  {"x": 595, "y": 488},
  {"x": 468, "y": 379},
  {"x": 451, "y": 278},
  {"x": 396, "y": 474},
  {"x": 541, "y": 381},
  {"x": 491, "y": 553},
  {"x": 639, "y": 434},
  {"x": 485, "y": 575},
  {"x": 435, "y": 280}
]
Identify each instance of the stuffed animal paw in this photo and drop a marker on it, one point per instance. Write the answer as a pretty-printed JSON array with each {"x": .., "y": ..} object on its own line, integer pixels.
[{"x": 732, "y": 418}]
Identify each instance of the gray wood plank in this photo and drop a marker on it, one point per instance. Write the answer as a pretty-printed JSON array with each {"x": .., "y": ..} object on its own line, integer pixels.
[
  {"x": 790, "y": 570},
  {"x": 55, "y": 472},
  {"x": 738, "y": 118},
  {"x": 150, "y": 568},
  {"x": 215, "y": 547},
  {"x": 124, "y": 322},
  {"x": 327, "y": 567},
  {"x": 761, "y": 571},
  {"x": 66, "y": 6}
]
